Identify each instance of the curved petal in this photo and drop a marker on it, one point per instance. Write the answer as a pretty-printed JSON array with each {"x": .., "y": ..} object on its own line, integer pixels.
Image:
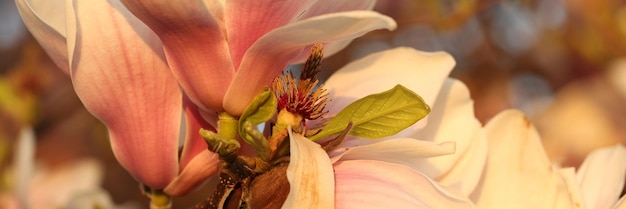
[
  {"x": 601, "y": 176},
  {"x": 195, "y": 45},
  {"x": 45, "y": 19},
  {"x": 518, "y": 173},
  {"x": 310, "y": 175},
  {"x": 246, "y": 21},
  {"x": 409, "y": 152},
  {"x": 422, "y": 72},
  {"x": 120, "y": 75},
  {"x": 194, "y": 143},
  {"x": 203, "y": 166},
  {"x": 331, "y": 6},
  {"x": 452, "y": 119},
  {"x": 621, "y": 204},
  {"x": 267, "y": 57},
  {"x": 375, "y": 184}
]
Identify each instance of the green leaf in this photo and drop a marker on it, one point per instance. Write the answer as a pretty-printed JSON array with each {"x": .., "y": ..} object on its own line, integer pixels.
[
  {"x": 378, "y": 115},
  {"x": 261, "y": 109}
]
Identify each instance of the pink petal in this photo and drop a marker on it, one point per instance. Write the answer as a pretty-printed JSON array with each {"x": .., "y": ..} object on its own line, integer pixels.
[
  {"x": 601, "y": 176},
  {"x": 322, "y": 7},
  {"x": 202, "y": 167},
  {"x": 310, "y": 175},
  {"x": 269, "y": 56},
  {"x": 120, "y": 75},
  {"x": 518, "y": 173},
  {"x": 375, "y": 184},
  {"x": 247, "y": 21},
  {"x": 195, "y": 44},
  {"x": 194, "y": 143},
  {"x": 45, "y": 19}
]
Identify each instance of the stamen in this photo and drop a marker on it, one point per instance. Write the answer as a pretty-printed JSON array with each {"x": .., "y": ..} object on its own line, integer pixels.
[{"x": 303, "y": 96}]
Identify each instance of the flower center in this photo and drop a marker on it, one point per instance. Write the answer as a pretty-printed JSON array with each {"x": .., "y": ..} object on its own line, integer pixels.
[{"x": 304, "y": 96}]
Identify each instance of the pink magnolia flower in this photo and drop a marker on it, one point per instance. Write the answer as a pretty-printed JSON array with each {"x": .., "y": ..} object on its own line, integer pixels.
[
  {"x": 435, "y": 163},
  {"x": 247, "y": 44},
  {"x": 518, "y": 173},
  {"x": 127, "y": 62}
]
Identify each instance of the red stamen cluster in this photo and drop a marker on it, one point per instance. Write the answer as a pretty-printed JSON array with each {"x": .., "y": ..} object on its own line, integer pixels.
[{"x": 303, "y": 96}]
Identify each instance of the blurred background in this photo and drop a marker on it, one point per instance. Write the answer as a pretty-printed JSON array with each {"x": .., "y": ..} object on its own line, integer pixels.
[{"x": 562, "y": 62}]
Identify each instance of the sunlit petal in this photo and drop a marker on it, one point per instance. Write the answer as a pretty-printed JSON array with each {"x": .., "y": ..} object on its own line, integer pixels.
[
  {"x": 410, "y": 152},
  {"x": 195, "y": 45},
  {"x": 518, "y": 173},
  {"x": 422, "y": 72},
  {"x": 127, "y": 85},
  {"x": 45, "y": 20},
  {"x": 452, "y": 119},
  {"x": 310, "y": 175},
  {"x": 621, "y": 204},
  {"x": 261, "y": 17},
  {"x": 376, "y": 184},
  {"x": 601, "y": 176},
  {"x": 269, "y": 56},
  {"x": 329, "y": 6}
]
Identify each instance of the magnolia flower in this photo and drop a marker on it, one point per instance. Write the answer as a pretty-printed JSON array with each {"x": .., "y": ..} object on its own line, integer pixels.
[
  {"x": 127, "y": 60},
  {"x": 249, "y": 43},
  {"x": 518, "y": 173},
  {"x": 435, "y": 163}
]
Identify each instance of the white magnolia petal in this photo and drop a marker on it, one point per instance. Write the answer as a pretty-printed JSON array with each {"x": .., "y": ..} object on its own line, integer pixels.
[
  {"x": 329, "y": 6},
  {"x": 410, "y": 152},
  {"x": 422, "y": 72},
  {"x": 45, "y": 19},
  {"x": 569, "y": 176},
  {"x": 24, "y": 164},
  {"x": 376, "y": 184},
  {"x": 310, "y": 175},
  {"x": 89, "y": 199},
  {"x": 56, "y": 186},
  {"x": 452, "y": 119},
  {"x": 601, "y": 176},
  {"x": 269, "y": 55},
  {"x": 518, "y": 173},
  {"x": 621, "y": 204}
]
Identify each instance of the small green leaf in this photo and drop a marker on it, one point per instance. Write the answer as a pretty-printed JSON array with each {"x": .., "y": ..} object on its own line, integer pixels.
[
  {"x": 261, "y": 109},
  {"x": 378, "y": 115}
]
